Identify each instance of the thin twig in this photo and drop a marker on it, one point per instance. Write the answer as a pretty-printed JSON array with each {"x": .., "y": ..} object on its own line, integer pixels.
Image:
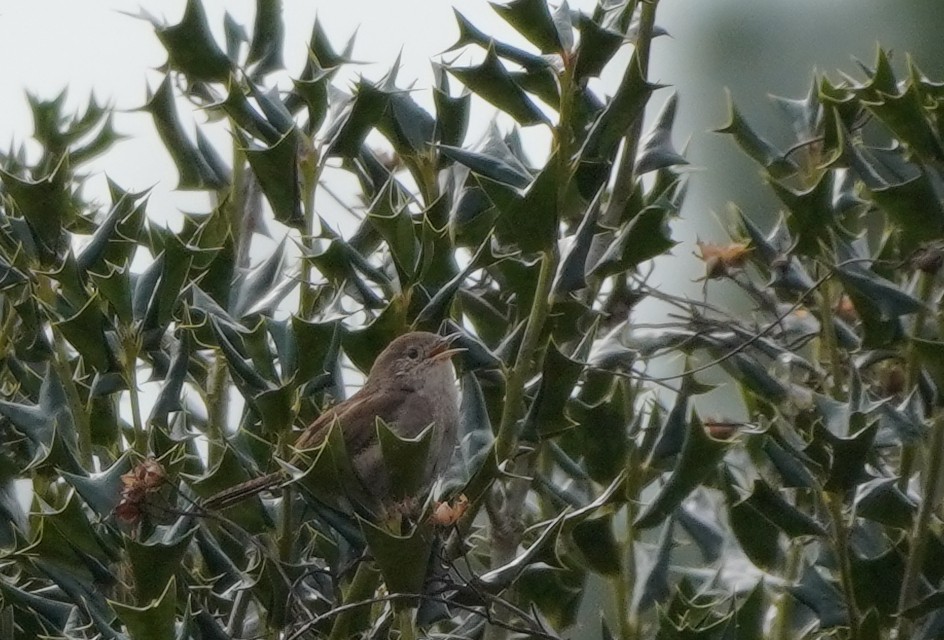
[{"x": 770, "y": 327}]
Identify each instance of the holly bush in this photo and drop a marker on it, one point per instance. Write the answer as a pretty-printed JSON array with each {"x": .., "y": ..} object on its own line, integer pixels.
[{"x": 145, "y": 369}]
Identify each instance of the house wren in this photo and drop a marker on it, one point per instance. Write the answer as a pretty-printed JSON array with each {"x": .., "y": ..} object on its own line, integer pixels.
[{"x": 410, "y": 387}]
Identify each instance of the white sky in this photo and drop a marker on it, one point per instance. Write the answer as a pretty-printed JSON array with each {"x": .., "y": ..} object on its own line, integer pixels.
[{"x": 92, "y": 47}]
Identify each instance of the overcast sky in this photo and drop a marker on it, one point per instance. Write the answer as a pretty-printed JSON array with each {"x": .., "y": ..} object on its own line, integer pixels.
[{"x": 93, "y": 47}]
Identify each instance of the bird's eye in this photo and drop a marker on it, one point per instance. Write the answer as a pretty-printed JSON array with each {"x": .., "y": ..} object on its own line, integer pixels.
[{"x": 412, "y": 353}]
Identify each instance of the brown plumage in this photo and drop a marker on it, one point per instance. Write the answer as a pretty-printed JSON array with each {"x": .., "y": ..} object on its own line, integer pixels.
[{"x": 410, "y": 386}]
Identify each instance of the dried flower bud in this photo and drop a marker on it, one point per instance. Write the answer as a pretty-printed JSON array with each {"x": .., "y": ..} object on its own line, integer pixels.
[
  {"x": 845, "y": 310},
  {"x": 144, "y": 479},
  {"x": 721, "y": 429},
  {"x": 720, "y": 260},
  {"x": 445, "y": 514}
]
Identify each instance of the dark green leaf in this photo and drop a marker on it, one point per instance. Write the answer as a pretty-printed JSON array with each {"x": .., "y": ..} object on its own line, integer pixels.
[
  {"x": 533, "y": 20},
  {"x": 619, "y": 115},
  {"x": 274, "y": 110},
  {"x": 155, "y": 560},
  {"x": 48, "y": 424},
  {"x": 773, "y": 506},
  {"x": 491, "y": 167},
  {"x": 255, "y": 288},
  {"x": 452, "y": 113},
  {"x": 546, "y": 416},
  {"x": 153, "y": 621},
  {"x": 881, "y": 500},
  {"x": 656, "y": 589},
  {"x": 644, "y": 237},
  {"x": 405, "y": 458},
  {"x": 532, "y": 221},
  {"x": 571, "y": 274},
  {"x": 114, "y": 238},
  {"x": 85, "y": 330},
  {"x": 10, "y": 276},
  {"x": 699, "y": 457},
  {"x": 706, "y": 533},
  {"x": 317, "y": 346},
  {"x": 597, "y": 47},
  {"x": 231, "y": 343},
  {"x": 811, "y": 214},
  {"x": 101, "y": 491},
  {"x": 194, "y": 169},
  {"x": 762, "y": 151},
  {"x": 887, "y": 298},
  {"x": 267, "y": 35},
  {"x": 475, "y": 441},
  {"x": 52, "y": 614},
  {"x": 389, "y": 213},
  {"x": 469, "y": 34},
  {"x": 673, "y": 434},
  {"x": 191, "y": 47},
  {"x": 84, "y": 591},
  {"x": 602, "y": 429},
  {"x": 848, "y": 456},
  {"x": 792, "y": 465},
  {"x": 314, "y": 92},
  {"x": 403, "y": 559},
  {"x": 915, "y": 208},
  {"x": 594, "y": 537},
  {"x": 323, "y": 53},
  {"x": 363, "y": 112},
  {"x": 276, "y": 168},
  {"x": 243, "y": 113},
  {"x": 906, "y": 115},
  {"x": 46, "y": 204},
  {"x": 235, "y": 35},
  {"x": 408, "y": 126},
  {"x": 169, "y": 398},
  {"x": 822, "y": 596},
  {"x": 657, "y": 151},
  {"x": 757, "y": 535},
  {"x": 492, "y": 82}
]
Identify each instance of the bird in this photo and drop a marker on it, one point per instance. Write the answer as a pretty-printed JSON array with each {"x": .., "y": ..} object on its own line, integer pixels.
[{"x": 410, "y": 386}]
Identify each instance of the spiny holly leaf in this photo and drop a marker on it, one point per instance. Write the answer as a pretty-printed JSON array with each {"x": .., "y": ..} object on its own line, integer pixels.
[
  {"x": 403, "y": 559},
  {"x": 191, "y": 47},
  {"x": 491, "y": 81},
  {"x": 276, "y": 168},
  {"x": 546, "y": 416},
  {"x": 196, "y": 171},
  {"x": 657, "y": 150},
  {"x": 153, "y": 621},
  {"x": 155, "y": 560},
  {"x": 596, "y": 48},
  {"x": 405, "y": 458},
  {"x": 46, "y": 204},
  {"x": 619, "y": 115},
  {"x": 265, "y": 51},
  {"x": 699, "y": 457},
  {"x": 533, "y": 20}
]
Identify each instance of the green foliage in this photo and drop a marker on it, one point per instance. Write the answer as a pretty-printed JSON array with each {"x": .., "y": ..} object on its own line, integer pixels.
[
  {"x": 846, "y": 290},
  {"x": 815, "y": 517}
]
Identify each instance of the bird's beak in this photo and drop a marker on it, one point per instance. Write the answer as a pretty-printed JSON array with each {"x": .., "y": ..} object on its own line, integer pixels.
[{"x": 441, "y": 350}]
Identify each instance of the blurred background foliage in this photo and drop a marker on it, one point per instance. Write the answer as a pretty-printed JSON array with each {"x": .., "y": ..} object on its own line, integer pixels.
[{"x": 591, "y": 476}]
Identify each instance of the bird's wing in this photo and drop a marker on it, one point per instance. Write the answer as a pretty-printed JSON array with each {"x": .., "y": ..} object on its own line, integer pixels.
[{"x": 357, "y": 417}]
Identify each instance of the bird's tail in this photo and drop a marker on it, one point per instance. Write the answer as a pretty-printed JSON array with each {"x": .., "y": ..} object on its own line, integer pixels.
[{"x": 234, "y": 495}]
